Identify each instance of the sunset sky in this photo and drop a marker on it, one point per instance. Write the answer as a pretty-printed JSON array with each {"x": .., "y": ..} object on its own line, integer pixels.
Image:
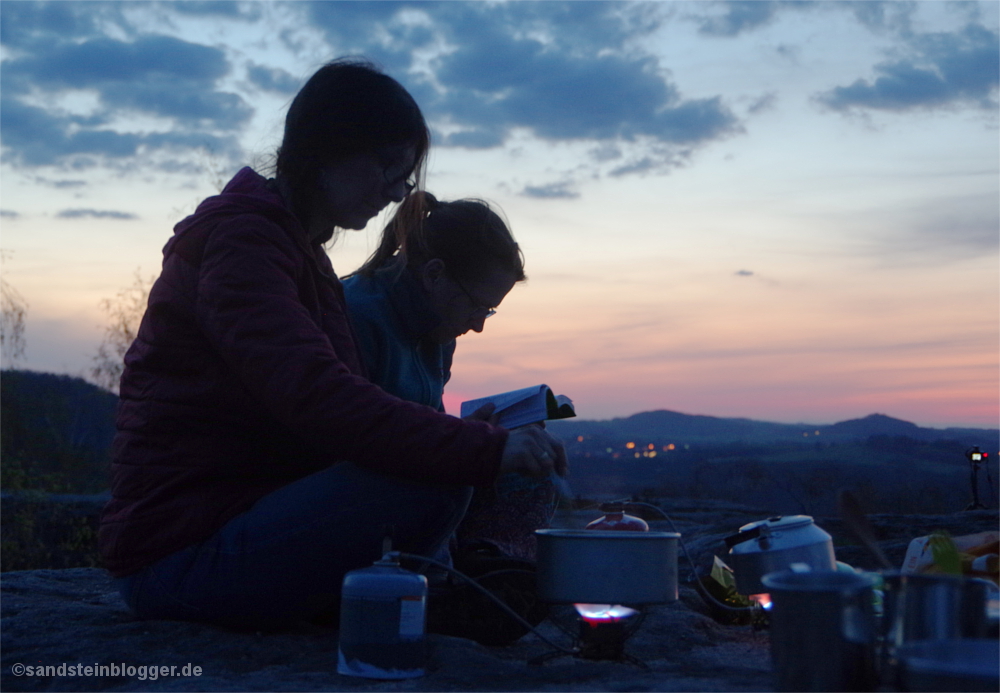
[{"x": 786, "y": 211}]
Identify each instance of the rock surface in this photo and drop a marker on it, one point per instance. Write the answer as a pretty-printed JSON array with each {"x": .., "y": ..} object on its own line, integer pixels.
[{"x": 74, "y": 616}]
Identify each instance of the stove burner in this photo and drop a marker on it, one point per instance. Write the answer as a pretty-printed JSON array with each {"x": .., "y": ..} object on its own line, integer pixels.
[{"x": 602, "y": 630}]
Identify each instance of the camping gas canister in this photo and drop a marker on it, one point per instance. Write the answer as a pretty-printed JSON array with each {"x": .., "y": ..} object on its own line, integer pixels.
[
  {"x": 382, "y": 617},
  {"x": 615, "y": 519}
]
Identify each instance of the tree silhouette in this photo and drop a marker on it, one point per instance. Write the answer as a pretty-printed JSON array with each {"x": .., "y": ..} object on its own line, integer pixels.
[
  {"x": 125, "y": 312},
  {"x": 13, "y": 312}
]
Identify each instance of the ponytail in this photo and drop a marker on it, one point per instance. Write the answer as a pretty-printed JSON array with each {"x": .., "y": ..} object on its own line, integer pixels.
[
  {"x": 467, "y": 235},
  {"x": 396, "y": 234}
]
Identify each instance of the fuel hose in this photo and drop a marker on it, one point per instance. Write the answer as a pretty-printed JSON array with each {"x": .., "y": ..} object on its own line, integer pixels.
[{"x": 499, "y": 602}]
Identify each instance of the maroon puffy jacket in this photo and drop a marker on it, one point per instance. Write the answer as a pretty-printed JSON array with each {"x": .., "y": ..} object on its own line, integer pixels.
[{"x": 245, "y": 376}]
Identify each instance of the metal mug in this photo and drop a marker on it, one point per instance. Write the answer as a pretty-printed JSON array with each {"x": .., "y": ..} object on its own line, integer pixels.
[
  {"x": 919, "y": 606},
  {"x": 823, "y": 631}
]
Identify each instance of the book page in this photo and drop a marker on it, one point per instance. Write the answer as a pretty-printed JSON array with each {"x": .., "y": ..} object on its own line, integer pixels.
[
  {"x": 559, "y": 406},
  {"x": 503, "y": 400},
  {"x": 525, "y": 406}
]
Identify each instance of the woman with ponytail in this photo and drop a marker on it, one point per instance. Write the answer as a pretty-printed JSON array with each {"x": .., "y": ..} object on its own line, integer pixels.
[{"x": 436, "y": 275}]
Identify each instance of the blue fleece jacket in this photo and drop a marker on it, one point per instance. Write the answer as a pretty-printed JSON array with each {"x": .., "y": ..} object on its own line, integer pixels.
[{"x": 391, "y": 318}]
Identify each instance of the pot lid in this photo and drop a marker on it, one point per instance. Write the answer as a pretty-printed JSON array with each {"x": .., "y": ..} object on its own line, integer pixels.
[
  {"x": 755, "y": 529},
  {"x": 779, "y": 522}
]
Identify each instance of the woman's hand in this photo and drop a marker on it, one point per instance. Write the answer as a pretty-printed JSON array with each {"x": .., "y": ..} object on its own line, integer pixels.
[
  {"x": 484, "y": 413},
  {"x": 532, "y": 451}
]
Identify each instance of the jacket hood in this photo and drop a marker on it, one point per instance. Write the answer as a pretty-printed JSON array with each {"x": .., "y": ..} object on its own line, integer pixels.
[{"x": 247, "y": 193}]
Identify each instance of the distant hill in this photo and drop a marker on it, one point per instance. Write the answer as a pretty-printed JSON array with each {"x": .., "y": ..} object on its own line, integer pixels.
[
  {"x": 697, "y": 429},
  {"x": 55, "y": 432},
  {"x": 893, "y": 465}
]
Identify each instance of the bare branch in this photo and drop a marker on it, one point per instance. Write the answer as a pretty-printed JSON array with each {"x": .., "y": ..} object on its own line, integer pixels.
[
  {"x": 124, "y": 313},
  {"x": 13, "y": 313}
]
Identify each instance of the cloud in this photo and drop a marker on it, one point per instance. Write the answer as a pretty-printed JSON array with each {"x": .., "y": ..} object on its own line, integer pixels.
[
  {"x": 560, "y": 71},
  {"x": 273, "y": 79},
  {"x": 484, "y": 73},
  {"x": 221, "y": 8},
  {"x": 32, "y": 25},
  {"x": 730, "y": 19},
  {"x": 57, "y": 51},
  {"x": 894, "y": 15},
  {"x": 943, "y": 69},
  {"x": 9, "y": 214},
  {"x": 154, "y": 75},
  {"x": 744, "y": 273},
  {"x": 60, "y": 184},
  {"x": 94, "y": 214},
  {"x": 738, "y": 17},
  {"x": 962, "y": 227},
  {"x": 99, "y": 62},
  {"x": 788, "y": 52},
  {"x": 766, "y": 102},
  {"x": 643, "y": 165},
  {"x": 550, "y": 191},
  {"x": 36, "y": 137}
]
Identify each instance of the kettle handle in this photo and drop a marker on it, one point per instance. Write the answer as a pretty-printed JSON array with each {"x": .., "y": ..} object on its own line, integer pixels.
[{"x": 741, "y": 537}]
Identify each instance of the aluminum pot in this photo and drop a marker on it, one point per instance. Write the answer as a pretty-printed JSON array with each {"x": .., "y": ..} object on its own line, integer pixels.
[
  {"x": 607, "y": 567},
  {"x": 775, "y": 544}
]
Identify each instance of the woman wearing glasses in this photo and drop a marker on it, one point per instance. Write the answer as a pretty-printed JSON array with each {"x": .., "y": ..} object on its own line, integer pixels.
[
  {"x": 254, "y": 463},
  {"x": 440, "y": 270},
  {"x": 437, "y": 274}
]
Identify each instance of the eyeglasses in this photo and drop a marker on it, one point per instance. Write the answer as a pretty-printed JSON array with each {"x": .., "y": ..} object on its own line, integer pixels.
[
  {"x": 407, "y": 180},
  {"x": 477, "y": 307}
]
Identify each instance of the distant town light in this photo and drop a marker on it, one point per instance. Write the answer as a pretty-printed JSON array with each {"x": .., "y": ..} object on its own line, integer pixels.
[
  {"x": 579, "y": 439},
  {"x": 629, "y": 445},
  {"x": 651, "y": 446},
  {"x": 670, "y": 447}
]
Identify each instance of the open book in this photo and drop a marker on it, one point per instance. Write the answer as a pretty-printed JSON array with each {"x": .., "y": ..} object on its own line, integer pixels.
[{"x": 525, "y": 406}]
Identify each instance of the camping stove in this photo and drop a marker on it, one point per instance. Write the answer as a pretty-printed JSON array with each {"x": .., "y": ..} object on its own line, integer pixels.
[{"x": 602, "y": 630}]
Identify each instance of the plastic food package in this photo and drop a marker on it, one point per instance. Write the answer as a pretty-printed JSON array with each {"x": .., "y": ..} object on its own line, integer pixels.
[{"x": 978, "y": 554}]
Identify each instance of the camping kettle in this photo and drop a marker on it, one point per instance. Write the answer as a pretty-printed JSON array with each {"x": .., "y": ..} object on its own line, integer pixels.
[{"x": 775, "y": 544}]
